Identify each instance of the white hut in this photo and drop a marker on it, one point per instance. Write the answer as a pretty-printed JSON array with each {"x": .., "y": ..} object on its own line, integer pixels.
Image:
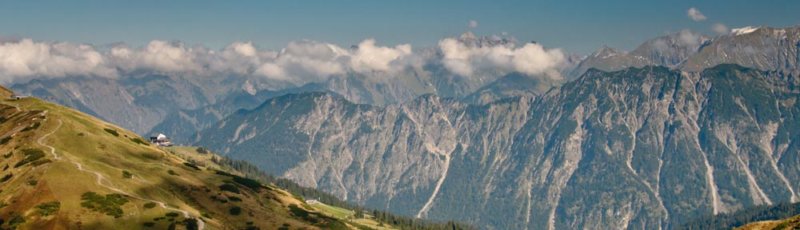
[{"x": 161, "y": 140}]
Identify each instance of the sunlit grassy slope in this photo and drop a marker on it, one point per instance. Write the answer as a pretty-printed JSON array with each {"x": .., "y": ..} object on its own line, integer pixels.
[
  {"x": 203, "y": 158},
  {"x": 100, "y": 176},
  {"x": 785, "y": 224}
]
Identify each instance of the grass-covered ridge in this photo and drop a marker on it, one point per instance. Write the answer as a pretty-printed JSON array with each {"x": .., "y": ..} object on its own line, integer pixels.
[{"x": 64, "y": 169}]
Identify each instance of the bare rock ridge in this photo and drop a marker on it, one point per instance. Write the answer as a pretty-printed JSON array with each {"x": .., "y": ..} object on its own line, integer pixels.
[
  {"x": 764, "y": 48},
  {"x": 641, "y": 148}
]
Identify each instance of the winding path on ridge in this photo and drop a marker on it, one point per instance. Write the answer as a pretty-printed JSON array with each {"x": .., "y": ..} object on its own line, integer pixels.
[{"x": 101, "y": 178}]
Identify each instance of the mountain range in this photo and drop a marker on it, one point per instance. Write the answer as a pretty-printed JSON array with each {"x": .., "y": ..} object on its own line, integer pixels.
[
  {"x": 653, "y": 145},
  {"x": 152, "y": 102},
  {"x": 682, "y": 126}
]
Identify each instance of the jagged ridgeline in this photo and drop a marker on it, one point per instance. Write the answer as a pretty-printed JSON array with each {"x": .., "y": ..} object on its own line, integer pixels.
[
  {"x": 642, "y": 148},
  {"x": 61, "y": 169}
]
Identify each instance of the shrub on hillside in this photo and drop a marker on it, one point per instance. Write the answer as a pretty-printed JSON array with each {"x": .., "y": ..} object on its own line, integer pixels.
[
  {"x": 247, "y": 182},
  {"x": 112, "y": 132},
  {"x": 15, "y": 220},
  {"x": 139, "y": 141},
  {"x": 31, "y": 127},
  {"x": 191, "y": 224},
  {"x": 30, "y": 155},
  {"x": 191, "y": 165},
  {"x": 49, "y": 208},
  {"x": 109, "y": 204},
  {"x": 5, "y": 140},
  {"x": 201, "y": 150},
  {"x": 229, "y": 188},
  {"x": 126, "y": 174},
  {"x": 6, "y": 177},
  {"x": 297, "y": 211},
  {"x": 149, "y": 205},
  {"x": 235, "y": 210}
]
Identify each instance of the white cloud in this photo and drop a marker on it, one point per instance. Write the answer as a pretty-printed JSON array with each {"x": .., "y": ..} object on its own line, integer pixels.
[
  {"x": 273, "y": 71},
  {"x": 309, "y": 60},
  {"x": 720, "y": 28},
  {"x": 472, "y": 24},
  {"x": 243, "y": 49},
  {"x": 299, "y": 62},
  {"x": 530, "y": 59},
  {"x": 303, "y": 61},
  {"x": 238, "y": 57},
  {"x": 695, "y": 14},
  {"x": 160, "y": 56},
  {"x": 23, "y": 59},
  {"x": 368, "y": 57}
]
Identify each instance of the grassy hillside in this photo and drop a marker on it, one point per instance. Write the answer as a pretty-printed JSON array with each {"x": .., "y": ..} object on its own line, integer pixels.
[
  {"x": 203, "y": 158},
  {"x": 785, "y": 224},
  {"x": 62, "y": 169},
  {"x": 324, "y": 203},
  {"x": 752, "y": 217}
]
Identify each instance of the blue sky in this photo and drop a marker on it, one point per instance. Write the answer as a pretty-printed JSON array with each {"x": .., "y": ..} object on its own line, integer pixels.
[{"x": 575, "y": 26}]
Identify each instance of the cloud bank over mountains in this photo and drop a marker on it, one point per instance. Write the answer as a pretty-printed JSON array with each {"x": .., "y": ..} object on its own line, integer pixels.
[
  {"x": 26, "y": 58},
  {"x": 531, "y": 59},
  {"x": 299, "y": 62}
]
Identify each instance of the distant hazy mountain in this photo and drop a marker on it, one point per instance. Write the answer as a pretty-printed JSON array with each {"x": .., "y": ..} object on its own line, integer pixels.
[
  {"x": 763, "y": 48},
  {"x": 669, "y": 50},
  {"x": 137, "y": 103},
  {"x": 512, "y": 85},
  {"x": 639, "y": 148}
]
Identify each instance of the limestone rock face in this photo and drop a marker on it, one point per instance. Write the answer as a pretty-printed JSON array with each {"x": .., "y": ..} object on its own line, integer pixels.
[{"x": 641, "y": 148}]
